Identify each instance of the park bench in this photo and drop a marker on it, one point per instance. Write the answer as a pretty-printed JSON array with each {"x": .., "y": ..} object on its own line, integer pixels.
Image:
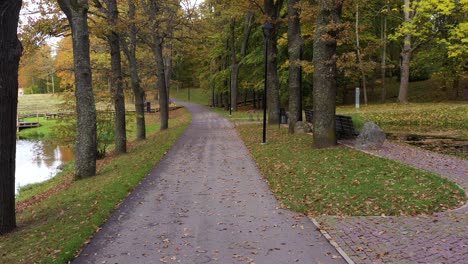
[{"x": 344, "y": 125}]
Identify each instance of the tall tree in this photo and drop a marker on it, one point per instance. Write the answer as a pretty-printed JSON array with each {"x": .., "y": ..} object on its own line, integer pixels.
[
  {"x": 383, "y": 63},
  {"x": 113, "y": 38},
  {"x": 421, "y": 24},
  {"x": 272, "y": 10},
  {"x": 86, "y": 144},
  {"x": 405, "y": 56},
  {"x": 324, "y": 91},
  {"x": 10, "y": 53},
  {"x": 155, "y": 40},
  {"x": 235, "y": 62},
  {"x": 359, "y": 55},
  {"x": 129, "y": 47},
  {"x": 295, "y": 47}
]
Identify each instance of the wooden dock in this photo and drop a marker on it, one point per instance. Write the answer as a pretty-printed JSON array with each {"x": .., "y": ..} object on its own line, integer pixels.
[{"x": 22, "y": 125}]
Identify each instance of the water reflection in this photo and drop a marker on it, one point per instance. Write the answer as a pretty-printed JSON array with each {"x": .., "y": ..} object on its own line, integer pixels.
[{"x": 37, "y": 161}]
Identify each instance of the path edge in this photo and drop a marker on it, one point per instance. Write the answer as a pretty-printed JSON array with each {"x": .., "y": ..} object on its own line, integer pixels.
[{"x": 331, "y": 241}]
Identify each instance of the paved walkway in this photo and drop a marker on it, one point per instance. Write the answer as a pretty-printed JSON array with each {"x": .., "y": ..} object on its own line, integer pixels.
[
  {"x": 439, "y": 238},
  {"x": 206, "y": 202}
]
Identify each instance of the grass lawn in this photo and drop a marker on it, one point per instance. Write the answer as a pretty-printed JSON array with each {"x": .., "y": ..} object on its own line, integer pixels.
[
  {"x": 54, "y": 229},
  {"x": 39, "y": 103},
  {"x": 343, "y": 181}
]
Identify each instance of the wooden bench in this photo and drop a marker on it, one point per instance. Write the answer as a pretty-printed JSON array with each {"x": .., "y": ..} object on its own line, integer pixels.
[{"x": 344, "y": 124}]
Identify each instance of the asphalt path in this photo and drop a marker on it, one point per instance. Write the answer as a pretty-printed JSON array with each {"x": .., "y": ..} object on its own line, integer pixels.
[{"x": 206, "y": 202}]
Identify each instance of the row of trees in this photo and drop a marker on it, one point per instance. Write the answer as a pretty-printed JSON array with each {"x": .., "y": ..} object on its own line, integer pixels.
[
  {"x": 124, "y": 27},
  {"x": 411, "y": 39},
  {"x": 330, "y": 45}
]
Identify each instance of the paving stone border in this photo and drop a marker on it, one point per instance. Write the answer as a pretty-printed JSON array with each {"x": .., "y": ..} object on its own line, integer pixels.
[{"x": 438, "y": 238}]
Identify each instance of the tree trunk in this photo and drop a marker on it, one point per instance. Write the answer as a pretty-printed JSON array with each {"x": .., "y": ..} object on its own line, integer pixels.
[
  {"x": 404, "y": 70},
  {"x": 130, "y": 53},
  {"x": 295, "y": 46},
  {"x": 254, "y": 99},
  {"x": 234, "y": 67},
  {"x": 168, "y": 70},
  {"x": 113, "y": 39},
  {"x": 272, "y": 10},
  {"x": 211, "y": 82},
  {"x": 324, "y": 79},
  {"x": 10, "y": 54},
  {"x": 405, "y": 57},
  {"x": 383, "y": 95},
  {"x": 86, "y": 144},
  {"x": 456, "y": 88},
  {"x": 358, "y": 51},
  {"x": 161, "y": 82},
  {"x": 235, "y": 64}
]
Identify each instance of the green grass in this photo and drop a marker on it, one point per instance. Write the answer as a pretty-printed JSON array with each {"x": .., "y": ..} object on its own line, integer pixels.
[
  {"x": 42, "y": 132},
  {"x": 151, "y": 124},
  {"x": 53, "y": 230},
  {"x": 342, "y": 181},
  {"x": 197, "y": 95}
]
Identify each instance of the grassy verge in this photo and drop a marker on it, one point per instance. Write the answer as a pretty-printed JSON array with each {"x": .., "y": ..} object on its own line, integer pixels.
[
  {"x": 343, "y": 181},
  {"x": 53, "y": 230}
]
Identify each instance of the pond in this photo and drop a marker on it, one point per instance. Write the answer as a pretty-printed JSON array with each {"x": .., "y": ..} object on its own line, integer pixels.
[
  {"x": 37, "y": 161},
  {"x": 440, "y": 144}
]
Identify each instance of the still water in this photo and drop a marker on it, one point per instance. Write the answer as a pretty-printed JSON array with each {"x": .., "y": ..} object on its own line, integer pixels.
[{"x": 37, "y": 161}]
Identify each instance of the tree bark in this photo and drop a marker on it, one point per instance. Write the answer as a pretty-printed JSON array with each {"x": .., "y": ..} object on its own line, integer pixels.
[
  {"x": 405, "y": 57},
  {"x": 168, "y": 69},
  {"x": 324, "y": 79},
  {"x": 130, "y": 52},
  {"x": 10, "y": 54},
  {"x": 234, "y": 67},
  {"x": 405, "y": 70},
  {"x": 358, "y": 51},
  {"x": 272, "y": 9},
  {"x": 235, "y": 63},
  {"x": 161, "y": 82},
  {"x": 295, "y": 47},
  {"x": 113, "y": 40},
  {"x": 156, "y": 43},
  {"x": 383, "y": 94},
  {"x": 86, "y": 144}
]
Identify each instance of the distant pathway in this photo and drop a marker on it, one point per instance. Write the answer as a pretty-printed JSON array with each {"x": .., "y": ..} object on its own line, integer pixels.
[
  {"x": 439, "y": 238},
  {"x": 206, "y": 202}
]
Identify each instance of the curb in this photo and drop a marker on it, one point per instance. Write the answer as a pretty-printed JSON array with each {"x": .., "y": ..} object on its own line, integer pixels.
[{"x": 332, "y": 242}]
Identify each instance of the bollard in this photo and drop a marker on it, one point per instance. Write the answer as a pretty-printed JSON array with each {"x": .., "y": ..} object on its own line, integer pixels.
[{"x": 357, "y": 97}]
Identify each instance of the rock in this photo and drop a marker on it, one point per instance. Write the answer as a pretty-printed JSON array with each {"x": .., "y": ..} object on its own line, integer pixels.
[
  {"x": 371, "y": 137},
  {"x": 302, "y": 127}
]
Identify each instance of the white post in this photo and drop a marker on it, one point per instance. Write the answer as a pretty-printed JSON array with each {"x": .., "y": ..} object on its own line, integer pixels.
[{"x": 357, "y": 97}]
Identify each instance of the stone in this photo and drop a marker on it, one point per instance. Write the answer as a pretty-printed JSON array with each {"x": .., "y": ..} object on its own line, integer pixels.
[
  {"x": 302, "y": 127},
  {"x": 371, "y": 137}
]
